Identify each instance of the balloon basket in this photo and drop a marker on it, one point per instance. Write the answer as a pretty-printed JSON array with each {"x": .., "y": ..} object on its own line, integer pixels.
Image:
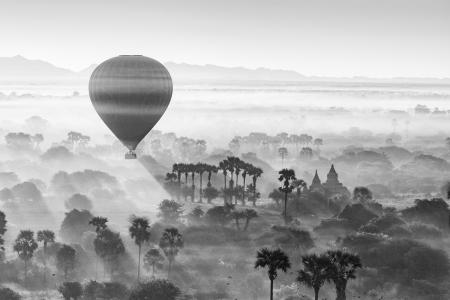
[{"x": 130, "y": 155}]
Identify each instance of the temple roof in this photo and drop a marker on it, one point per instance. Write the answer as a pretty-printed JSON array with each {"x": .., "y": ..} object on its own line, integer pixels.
[
  {"x": 332, "y": 171},
  {"x": 316, "y": 180}
]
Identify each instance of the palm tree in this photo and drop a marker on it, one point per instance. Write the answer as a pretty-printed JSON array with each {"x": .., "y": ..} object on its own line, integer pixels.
[
  {"x": 223, "y": 166},
  {"x": 152, "y": 259},
  {"x": 140, "y": 232},
  {"x": 274, "y": 260},
  {"x": 255, "y": 172},
  {"x": 171, "y": 242},
  {"x": 176, "y": 168},
  {"x": 200, "y": 169},
  {"x": 99, "y": 223},
  {"x": 46, "y": 237},
  {"x": 185, "y": 170},
  {"x": 342, "y": 267},
  {"x": 249, "y": 214},
  {"x": 25, "y": 245},
  {"x": 210, "y": 169},
  {"x": 287, "y": 176},
  {"x": 193, "y": 170},
  {"x": 315, "y": 272},
  {"x": 246, "y": 168},
  {"x": 237, "y": 168},
  {"x": 231, "y": 167}
]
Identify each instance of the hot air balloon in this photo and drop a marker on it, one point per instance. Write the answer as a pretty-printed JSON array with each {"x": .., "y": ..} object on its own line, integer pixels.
[{"x": 130, "y": 94}]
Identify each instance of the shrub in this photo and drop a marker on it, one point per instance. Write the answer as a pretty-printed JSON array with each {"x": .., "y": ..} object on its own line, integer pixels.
[
  {"x": 71, "y": 290},
  {"x": 160, "y": 289},
  {"x": 357, "y": 215},
  {"x": 434, "y": 211}
]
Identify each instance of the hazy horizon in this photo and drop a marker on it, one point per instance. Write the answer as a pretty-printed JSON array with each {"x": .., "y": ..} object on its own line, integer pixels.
[{"x": 321, "y": 38}]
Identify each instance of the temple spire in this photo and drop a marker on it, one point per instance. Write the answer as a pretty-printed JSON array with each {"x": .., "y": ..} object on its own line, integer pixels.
[{"x": 316, "y": 179}]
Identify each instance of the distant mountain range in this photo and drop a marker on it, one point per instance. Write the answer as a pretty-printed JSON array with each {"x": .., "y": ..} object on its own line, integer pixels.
[{"x": 20, "y": 69}]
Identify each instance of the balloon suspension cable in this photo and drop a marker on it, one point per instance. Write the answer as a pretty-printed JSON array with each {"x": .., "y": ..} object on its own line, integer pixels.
[{"x": 130, "y": 155}]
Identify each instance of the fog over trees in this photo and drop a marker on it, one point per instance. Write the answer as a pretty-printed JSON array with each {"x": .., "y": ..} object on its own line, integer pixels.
[
  {"x": 252, "y": 220},
  {"x": 333, "y": 190}
]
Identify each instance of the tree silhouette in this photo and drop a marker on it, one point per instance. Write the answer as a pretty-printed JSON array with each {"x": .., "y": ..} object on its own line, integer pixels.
[
  {"x": 99, "y": 223},
  {"x": 255, "y": 173},
  {"x": 140, "y": 232},
  {"x": 299, "y": 185},
  {"x": 25, "y": 245},
  {"x": 362, "y": 194},
  {"x": 219, "y": 215},
  {"x": 246, "y": 168},
  {"x": 276, "y": 196},
  {"x": 71, "y": 290},
  {"x": 201, "y": 168},
  {"x": 342, "y": 267},
  {"x": 193, "y": 170},
  {"x": 109, "y": 246},
  {"x": 210, "y": 169},
  {"x": 153, "y": 259},
  {"x": 170, "y": 210},
  {"x": 159, "y": 289},
  {"x": 171, "y": 242},
  {"x": 274, "y": 260},
  {"x": 45, "y": 237},
  {"x": 287, "y": 177},
  {"x": 314, "y": 272},
  {"x": 223, "y": 166},
  {"x": 211, "y": 193},
  {"x": 196, "y": 215},
  {"x": 2, "y": 231},
  {"x": 65, "y": 260}
]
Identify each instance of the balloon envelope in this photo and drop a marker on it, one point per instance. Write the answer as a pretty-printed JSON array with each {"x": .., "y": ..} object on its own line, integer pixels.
[{"x": 130, "y": 93}]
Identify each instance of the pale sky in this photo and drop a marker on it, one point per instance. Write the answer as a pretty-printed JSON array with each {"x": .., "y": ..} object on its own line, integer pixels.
[{"x": 379, "y": 38}]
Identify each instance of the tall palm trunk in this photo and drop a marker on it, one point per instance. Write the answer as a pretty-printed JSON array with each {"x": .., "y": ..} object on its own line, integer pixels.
[
  {"x": 224, "y": 188},
  {"x": 169, "y": 269},
  {"x": 285, "y": 206},
  {"x": 179, "y": 185},
  {"x": 243, "y": 192},
  {"x": 45, "y": 265},
  {"x": 193, "y": 186},
  {"x": 316, "y": 294},
  {"x": 201, "y": 186},
  {"x": 271, "y": 289},
  {"x": 26, "y": 271},
  {"x": 340, "y": 291},
  {"x": 254, "y": 186},
  {"x": 139, "y": 263}
]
